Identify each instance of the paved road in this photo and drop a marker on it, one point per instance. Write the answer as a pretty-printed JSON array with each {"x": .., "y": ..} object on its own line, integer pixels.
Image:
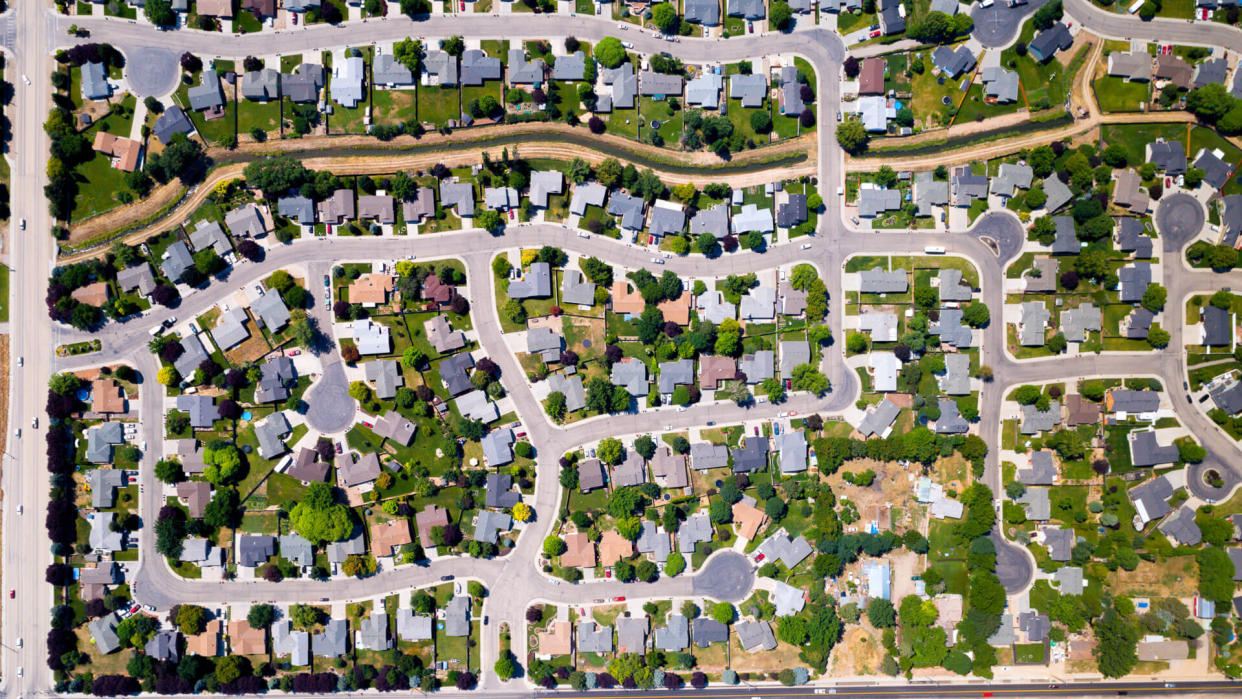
[
  {"x": 1179, "y": 218},
  {"x": 998, "y": 25}
]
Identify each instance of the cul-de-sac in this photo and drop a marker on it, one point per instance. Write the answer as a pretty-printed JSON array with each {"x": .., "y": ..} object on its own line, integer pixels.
[{"x": 748, "y": 349}]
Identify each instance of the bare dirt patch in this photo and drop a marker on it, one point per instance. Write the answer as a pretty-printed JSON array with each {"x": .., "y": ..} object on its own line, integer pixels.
[
  {"x": 1175, "y": 577},
  {"x": 858, "y": 653},
  {"x": 891, "y": 488}
]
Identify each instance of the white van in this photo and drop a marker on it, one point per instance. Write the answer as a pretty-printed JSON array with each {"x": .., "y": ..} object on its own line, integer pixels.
[{"x": 934, "y": 250}]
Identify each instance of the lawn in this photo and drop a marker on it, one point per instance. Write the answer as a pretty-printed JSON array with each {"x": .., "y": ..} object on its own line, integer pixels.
[
  {"x": 1119, "y": 95},
  {"x": 623, "y": 122},
  {"x": 670, "y": 120},
  {"x": 929, "y": 93},
  {"x": 244, "y": 22},
  {"x": 4, "y": 294},
  {"x": 436, "y": 105},
  {"x": 1044, "y": 84},
  {"x": 392, "y": 106},
  {"x": 1029, "y": 653},
  {"x": 265, "y": 115},
  {"x": 849, "y": 21},
  {"x": 98, "y": 182},
  {"x": 974, "y": 108},
  {"x": 1135, "y": 137}
]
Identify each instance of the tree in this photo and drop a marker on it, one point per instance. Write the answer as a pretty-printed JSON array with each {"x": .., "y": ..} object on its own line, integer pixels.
[
  {"x": 852, "y": 136},
  {"x": 1154, "y": 298},
  {"x": 665, "y": 17},
  {"x": 522, "y": 512},
  {"x": 167, "y": 376},
  {"x": 609, "y": 52},
  {"x": 808, "y": 378},
  {"x": 223, "y": 461},
  {"x": 610, "y": 451},
  {"x": 880, "y": 613},
  {"x": 780, "y": 15},
  {"x": 1057, "y": 343},
  {"x": 976, "y": 314},
  {"x": 169, "y": 471},
  {"x": 409, "y": 53},
  {"x": 317, "y": 517},
  {"x": 555, "y": 407},
  {"x": 856, "y": 343},
  {"x": 724, "y": 613},
  {"x": 554, "y": 546},
  {"x": 675, "y": 564},
  {"x": 160, "y": 13},
  {"x": 505, "y": 666},
  {"x": 489, "y": 220},
  {"x": 1115, "y": 649},
  {"x": 261, "y": 616},
  {"x": 191, "y": 619},
  {"x": 1210, "y": 102}
]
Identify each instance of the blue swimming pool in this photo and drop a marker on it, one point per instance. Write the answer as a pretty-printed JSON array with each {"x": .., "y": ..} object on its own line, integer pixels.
[
  {"x": 83, "y": 394},
  {"x": 246, "y": 415}
]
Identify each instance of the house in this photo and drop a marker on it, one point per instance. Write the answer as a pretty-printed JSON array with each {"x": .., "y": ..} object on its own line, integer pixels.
[
  {"x": 704, "y": 91},
  {"x": 457, "y": 195},
  {"x": 1034, "y": 625},
  {"x": 679, "y": 372},
  {"x": 1227, "y": 396},
  {"x": 386, "y": 376},
  {"x": 524, "y": 72},
  {"x": 873, "y": 200},
  {"x": 1001, "y": 86},
  {"x": 791, "y": 103},
  {"x": 380, "y": 208},
  {"x": 163, "y": 645},
  {"x": 195, "y": 495},
  {"x": 750, "y": 89},
  {"x": 347, "y": 82},
  {"x": 629, "y": 208},
  {"x": 104, "y": 482},
  {"x": 338, "y": 551},
  {"x": 575, "y": 289},
  {"x": 172, "y": 122},
  {"x": 755, "y": 635},
  {"x": 1069, "y": 580},
  {"x": 666, "y": 218},
  {"x": 420, "y": 207},
  {"x": 593, "y": 638},
  {"x": 489, "y": 524},
  {"x": 715, "y": 368},
  {"x": 622, "y": 87},
  {"x": 388, "y": 538},
  {"x": 953, "y": 62},
  {"x": 297, "y": 550},
  {"x": 1132, "y": 66},
  {"x": 295, "y": 644},
  {"x": 705, "y": 455},
  {"x": 1128, "y": 194},
  {"x": 498, "y": 447},
  {"x": 1151, "y": 500},
  {"x": 1174, "y": 69},
  {"x": 207, "y": 95},
  {"x": 1162, "y": 651},
  {"x": 1042, "y": 470},
  {"x": 477, "y": 66},
  {"x": 357, "y": 473},
  {"x": 1035, "y": 420},
  {"x": 190, "y": 455},
  {"x": 141, "y": 278},
  {"x": 429, "y": 518},
  {"x": 215, "y": 8},
  {"x": 298, "y": 208},
  {"x": 1010, "y": 178},
  {"x": 338, "y": 208},
  {"x": 631, "y": 373},
  {"x": 929, "y": 192},
  {"x": 100, "y": 439},
  {"x": 884, "y": 367},
  {"x": 668, "y": 469},
  {"x": 879, "y": 419},
  {"x": 271, "y": 311},
  {"x": 1128, "y": 402},
  {"x": 254, "y": 550},
  {"x": 535, "y": 283},
  {"x": 632, "y": 634},
  {"x": 1217, "y": 326},
  {"x": 697, "y": 528},
  {"x": 757, "y": 367},
  {"x": 752, "y": 219},
  {"x": 386, "y": 70},
  {"x": 1077, "y": 322},
  {"x": 454, "y": 373},
  {"x": 707, "y": 631},
  {"x": 1216, "y": 171},
  {"x": 792, "y": 449},
  {"x": 1036, "y": 503},
  {"x": 475, "y": 405},
  {"x": 1046, "y": 44},
  {"x": 1058, "y": 194},
  {"x": 439, "y": 68},
  {"x": 871, "y": 76},
  {"x": 276, "y": 376},
  {"x": 413, "y": 627},
  {"x": 878, "y": 578},
  {"x": 499, "y": 492},
  {"x": 878, "y": 281},
  {"x": 1138, "y": 323},
  {"x": 370, "y": 337},
  {"x": 1181, "y": 527},
  {"x": 457, "y": 617},
  {"x": 1169, "y": 157},
  {"x": 674, "y": 637},
  {"x": 1135, "y": 278},
  {"x": 956, "y": 378},
  {"x": 1033, "y": 324},
  {"x": 102, "y": 538},
  {"x": 209, "y": 234},
  {"x": 124, "y": 152},
  {"x": 751, "y": 456},
  {"x": 1146, "y": 451},
  {"x": 780, "y": 547},
  {"x": 951, "y": 420},
  {"x": 659, "y": 86},
  {"x": 543, "y": 183},
  {"x": 261, "y": 85},
  {"x": 579, "y": 552},
  {"x": 746, "y": 9},
  {"x": 881, "y": 326},
  {"x": 1132, "y": 238},
  {"x": 587, "y": 194},
  {"x": 556, "y": 640},
  {"x": 103, "y": 632},
  {"x": 501, "y": 198},
  {"x": 177, "y": 261},
  {"x": 951, "y": 286},
  {"x": 966, "y": 187},
  {"x": 331, "y": 642},
  {"x": 655, "y": 541},
  {"x": 307, "y": 468},
  {"x": 892, "y": 17},
  {"x": 748, "y": 518},
  {"x": 371, "y": 289},
  {"x": 231, "y": 330},
  {"x": 246, "y": 640},
  {"x": 570, "y": 68},
  {"x": 304, "y": 83},
  {"x": 614, "y": 547},
  {"x": 95, "y": 85}
]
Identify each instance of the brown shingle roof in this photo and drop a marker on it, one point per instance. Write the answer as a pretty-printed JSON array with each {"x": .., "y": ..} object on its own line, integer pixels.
[
  {"x": 438, "y": 291},
  {"x": 676, "y": 310},
  {"x": 107, "y": 396},
  {"x": 625, "y": 301},
  {"x": 580, "y": 552},
  {"x": 371, "y": 288},
  {"x": 244, "y": 640},
  {"x": 749, "y": 519},
  {"x": 206, "y": 643},
  {"x": 434, "y": 516},
  {"x": 613, "y": 547},
  {"x": 871, "y": 77},
  {"x": 385, "y": 538},
  {"x": 714, "y": 369},
  {"x": 125, "y": 150},
  {"x": 92, "y": 294},
  {"x": 556, "y": 640}
]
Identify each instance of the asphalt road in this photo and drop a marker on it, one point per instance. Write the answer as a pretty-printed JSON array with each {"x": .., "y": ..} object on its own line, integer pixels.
[{"x": 41, "y": 31}]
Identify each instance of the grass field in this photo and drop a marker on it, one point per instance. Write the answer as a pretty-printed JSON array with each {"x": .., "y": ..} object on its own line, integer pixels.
[
  {"x": 438, "y": 104},
  {"x": 623, "y": 122},
  {"x": 1120, "y": 95}
]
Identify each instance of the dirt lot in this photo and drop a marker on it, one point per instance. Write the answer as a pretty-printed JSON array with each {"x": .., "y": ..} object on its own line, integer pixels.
[
  {"x": 891, "y": 486},
  {"x": 251, "y": 349},
  {"x": 858, "y": 653},
  {"x": 1174, "y": 578}
]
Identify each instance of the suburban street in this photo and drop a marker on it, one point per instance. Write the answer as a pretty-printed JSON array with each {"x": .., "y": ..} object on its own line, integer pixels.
[{"x": 515, "y": 579}]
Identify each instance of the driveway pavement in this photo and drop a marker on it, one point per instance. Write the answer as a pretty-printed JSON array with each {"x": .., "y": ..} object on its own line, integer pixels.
[{"x": 1179, "y": 218}]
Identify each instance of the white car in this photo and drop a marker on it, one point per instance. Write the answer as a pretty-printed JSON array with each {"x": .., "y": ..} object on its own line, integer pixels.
[
  {"x": 18, "y": 433},
  {"x": 806, "y": 246},
  {"x": 20, "y": 509},
  {"x": 21, "y": 361},
  {"x": 656, "y": 261},
  {"x": 23, "y": 224},
  {"x": 20, "y": 642},
  {"x": 20, "y": 670},
  {"x": 25, "y": 79},
  {"x": 34, "y": 422}
]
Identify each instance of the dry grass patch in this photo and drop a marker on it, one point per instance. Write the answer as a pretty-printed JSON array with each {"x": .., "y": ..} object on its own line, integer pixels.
[
  {"x": 858, "y": 653},
  {"x": 1176, "y": 577}
]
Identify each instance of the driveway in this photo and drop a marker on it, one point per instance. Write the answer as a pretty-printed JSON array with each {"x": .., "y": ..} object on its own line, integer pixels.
[
  {"x": 152, "y": 72},
  {"x": 998, "y": 25},
  {"x": 1179, "y": 218}
]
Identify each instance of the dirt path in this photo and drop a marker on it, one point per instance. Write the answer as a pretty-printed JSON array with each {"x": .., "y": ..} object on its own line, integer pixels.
[{"x": 455, "y": 154}]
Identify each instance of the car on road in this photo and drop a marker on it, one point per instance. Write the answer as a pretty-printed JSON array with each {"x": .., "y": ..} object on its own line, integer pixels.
[
  {"x": 327, "y": 281},
  {"x": 485, "y": 621},
  {"x": 806, "y": 246},
  {"x": 18, "y": 433},
  {"x": 445, "y": 578},
  {"x": 20, "y": 509},
  {"x": 20, "y": 670},
  {"x": 25, "y": 79},
  {"x": 23, "y": 224},
  {"x": 20, "y": 642},
  {"x": 618, "y": 599},
  {"x": 21, "y": 361},
  {"x": 12, "y": 594},
  {"x": 34, "y": 422},
  {"x": 656, "y": 261}
]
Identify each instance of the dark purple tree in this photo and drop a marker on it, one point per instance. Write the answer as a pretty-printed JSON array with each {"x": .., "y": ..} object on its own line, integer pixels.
[
  {"x": 165, "y": 295},
  {"x": 229, "y": 409}
]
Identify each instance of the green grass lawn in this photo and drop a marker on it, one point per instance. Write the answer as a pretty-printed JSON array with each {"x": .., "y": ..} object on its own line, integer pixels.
[
  {"x": 973, "y": 107},
  {"x": 670, "y": 119},
  {"x": 4, "y": 294},
  {"x": 1045, "y": 84},
  {"x": 1135, "y": 137},
  {"x": 623, "y": 122},
  {"x": 392, "y": 106},
  {"x": 265, "y": 115},
  {"x": 929, "y": 92},
  {"x": 849, "y": 21},
  {"x": 99, "y": 184},
  {"x": 438, "y": 104},
  {"x": 244, "y": 22},
  {"x": 478, "y": 92},
  {"x": 1120, "y": 95}
]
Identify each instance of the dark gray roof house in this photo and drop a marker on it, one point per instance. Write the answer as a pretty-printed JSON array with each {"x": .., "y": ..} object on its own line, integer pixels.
[
  {"x": 747, "y": 9},
  {"x": 590, "y": 475},
  {"x": 1217, "y": 326},
  {"x": 659, "y": 85},
  {"x": 966, "y": 187},
  {"x": 951, "y": 420},
  {"x": 453, "y": 372},
  {"x": 331, "y": 642},
  {"x": 522, "y": 71},
  {"x": 440, "y": 68},
  {"x": 953, "y": 62},
  {"x": 388, "y": 71},
  {"x": 207, "y": 93},
  {"x": 499, "y": 491},
  {"x": 1138, "y": 323},
  {"x": 1035, "y": 420},
  {"x": 1169, "y": 157},
  {"x": 879, "y": 281},
  {"x": 1135, "y": 278},
  {"x": 704, "y": 12},
  {"x": 1146, "y": 451},
  {"x": 1227, "y": 396},
  {"x": 260, "y": 85},
  {"x": 277, "y": 375},
  {"x": 675, "y": 373},
  {"x": 791, "y": 91},
  {"x": 666, "y": 219},
  {"x": 386, "y": 376},
  {"x": 1230, "y": 219},
  {"x": 879, "y": 419},
  {"x": 172, "y": 122},
  {"x": 1046, "y": 44},
  {"x": 755, "y": 635},
  {"x": 1132, "y": 238},
  {"x": 269, "y": 432},
  {"x": 177, "y": 261},
  {"x": 1212, "y": 70},
  {"x": 1151, "y": 499},
  {"x": 707, "y": 631},
  {"x": 751, "y": 456},
  {"x": 629, "y": 208},
  {"x": 303, "y": 84},
  {"x": 1042, "y": 471},
  {"x": 298, "y": 208},
  {"x": 536, "y": 283},
  {"x": 1215, "y": 170},
  {"x": 477, "y": 66},
  {"x": 1182, "y": 528},
  {"x": 571, "y": 67},
  {"x": 253, "y": 550},
  {"x": 459, "y": 195},
  {"x": 100, "y": 439},
  {"x": 891, "y": 19}
]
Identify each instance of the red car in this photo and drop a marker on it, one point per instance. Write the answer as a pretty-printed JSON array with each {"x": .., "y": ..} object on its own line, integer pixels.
[
  {"x": 12, "y": 594},
  {"x": 367, "y": 425},
  {"x": 618, "y": 599}
]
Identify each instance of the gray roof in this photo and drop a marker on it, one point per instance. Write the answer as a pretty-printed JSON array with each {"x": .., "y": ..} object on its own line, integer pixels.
[
  {"x": 755, "y": 635},
  {"x": 475, "y": 405},
  {"x": 1182, "y": 528},
  {"x": 593, "y": 638},
  {"x": 304, "y": 83},
  {"x": 1135, "y": 66},
  {"x": 750, "y": 89},
  {"x": 1077, "y": 322},
  {"x": 1169, "y": 157},
  {"x": 477, "y": 66},
  {"x": 651, "y": 83},
  {"x": 459, "y": 195},
  {"x": 1227, "y": 397},
  {"x": 1215, "y": 171},
  {"x": 882, "y": 326},
  {"x": 654, "y": 540},
  {"x": 457, "y": 616},
  {"x": 163, "y": 645},
  {"x": 752, "y": 218},
  {"x": 951, "y": 330},
  {"x": 791, "y": 91},
  {"x": 1010, "y": 178},
  {"x": 269, "y": 431},
  {"x": 261, "y": 84},
  {"x": 498, "y": 447},
  {"x": 1146, "y": 451},
  {"x": 276, "y": 376},
  {"x": 104, "y": 573},
  {"x": 338, "y": 207},
  {"x": 713, "y": 307},
  {"x": 571, "y": 67},
  {"x": 1049, "y": 41},
  {"x": 338, "y": 551},
  {"x": 666, "y": 220},
  {"x": 695, "y": 529},
  {"x": 522, "y": 71},
  {"x": 632, "y": 634},
  {"x": 591, "y": 475},
  {"x": 386, "y": 376},
  {"x": 177, "y": 261},
  {"x": 387, "y": 70},
  {"x": 295, "y": 644},
  {"x": 95, "y": 81},
  {"x": 576, "y": 289},
  {"x": 330, "y": 642},
  {"x": 1217, "y": 326},
  {"x": 490, "y": 524},
  {"x": 791, "y": 211},
  {"x": 631, "y": 471},
  {"x": 442, "y": 66},
  {"x": 1038, "y": 506},
  {"x": 1035, "y": 317},
  {"x": 192, "y": 355},
  {"x": 951, "y": 420},
  {"x": 749, "y": 9},
  {"x": 587, "y": 194},
  {"x": 571, "y": 386},
  {"x": 674, "y": 373},
  {"x": 675, "y": 636},
  {"x": 793, "y": 354},
  {"x": 873, "y": 201},
  {"x": 705, "y": 455},
  {"x": 1058, "y": 194},
  {"x": 499, "y": 492},
  {"x": 347, "y": 79},
  {"x": 421, "y": 206},
  {"x": 751, "y": 456},
  {"x": 141, "y": 278},
  {"x": 705, "y": 12},
  {"x": 271, "y": 310},
  {"x": 879, "y": 281},
  {"x": 1035, "y": 625},
  {"x": 373, "y": 631},
  {"x": 1212, "y": 70},
  {"x": 1139, "y": 323},
  {"x": 207, "y": 93},
  {"x": 623, "y": 87},
  {"x": 956, "y": 379},
  {"x": 953, "y": 62},
  {"x": 231, "y": 330},
  {"x": 1046, "y": 282},
  {"x": 789, "y": 600},
  {"x": 1132, "y": 237},
  {"x": 879, "y": 418},
  {"x": 1004, "y": 635},
  {"x": 791, "y": 552},
  {"x": 1001, "y": 85},
  {"x": 255, "y": 549},
  {"x": 1070, "y": 579},
  {"x": 104, "y": 482},
  {"x": 100, "y": 439},
  {"x": 631, "y": 373},
  {"x": 543, "y": 183},
  {"x": 297, "y": 207},
  {"x": 380, "y": 207},
  {"x": 792, "y": 448},
  {"x": 951, "y": 286},
  {"x": 757, "y": 366},
  {"x": 364, "y": 470},
  {"x": 629, "y": 208},
  {"x": 929, "y": 192},
  {"x": 536, "y": 283},
  {"x": 297, "y": 549},
  {"x": 245, "y": 220},
  {"x": 396, "y": 427},
  {"x": 1133, "y": 402},
  {"x": 172, "y": 122},
  {"x": 1042, "y": 471},
  {"x": 758, "y": 305},
  {"x": 103, "y": 631},
  {"x": 1151, "y": 498},
  {"x": 101, "y": 537},
  {"x": 707, "y": 631},
  {"x": 1035, "y": 420},
  {"x": 413, "y": 627},
  {"x": 501, "y": 198},
  {"x": 454, "y": 373}
]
